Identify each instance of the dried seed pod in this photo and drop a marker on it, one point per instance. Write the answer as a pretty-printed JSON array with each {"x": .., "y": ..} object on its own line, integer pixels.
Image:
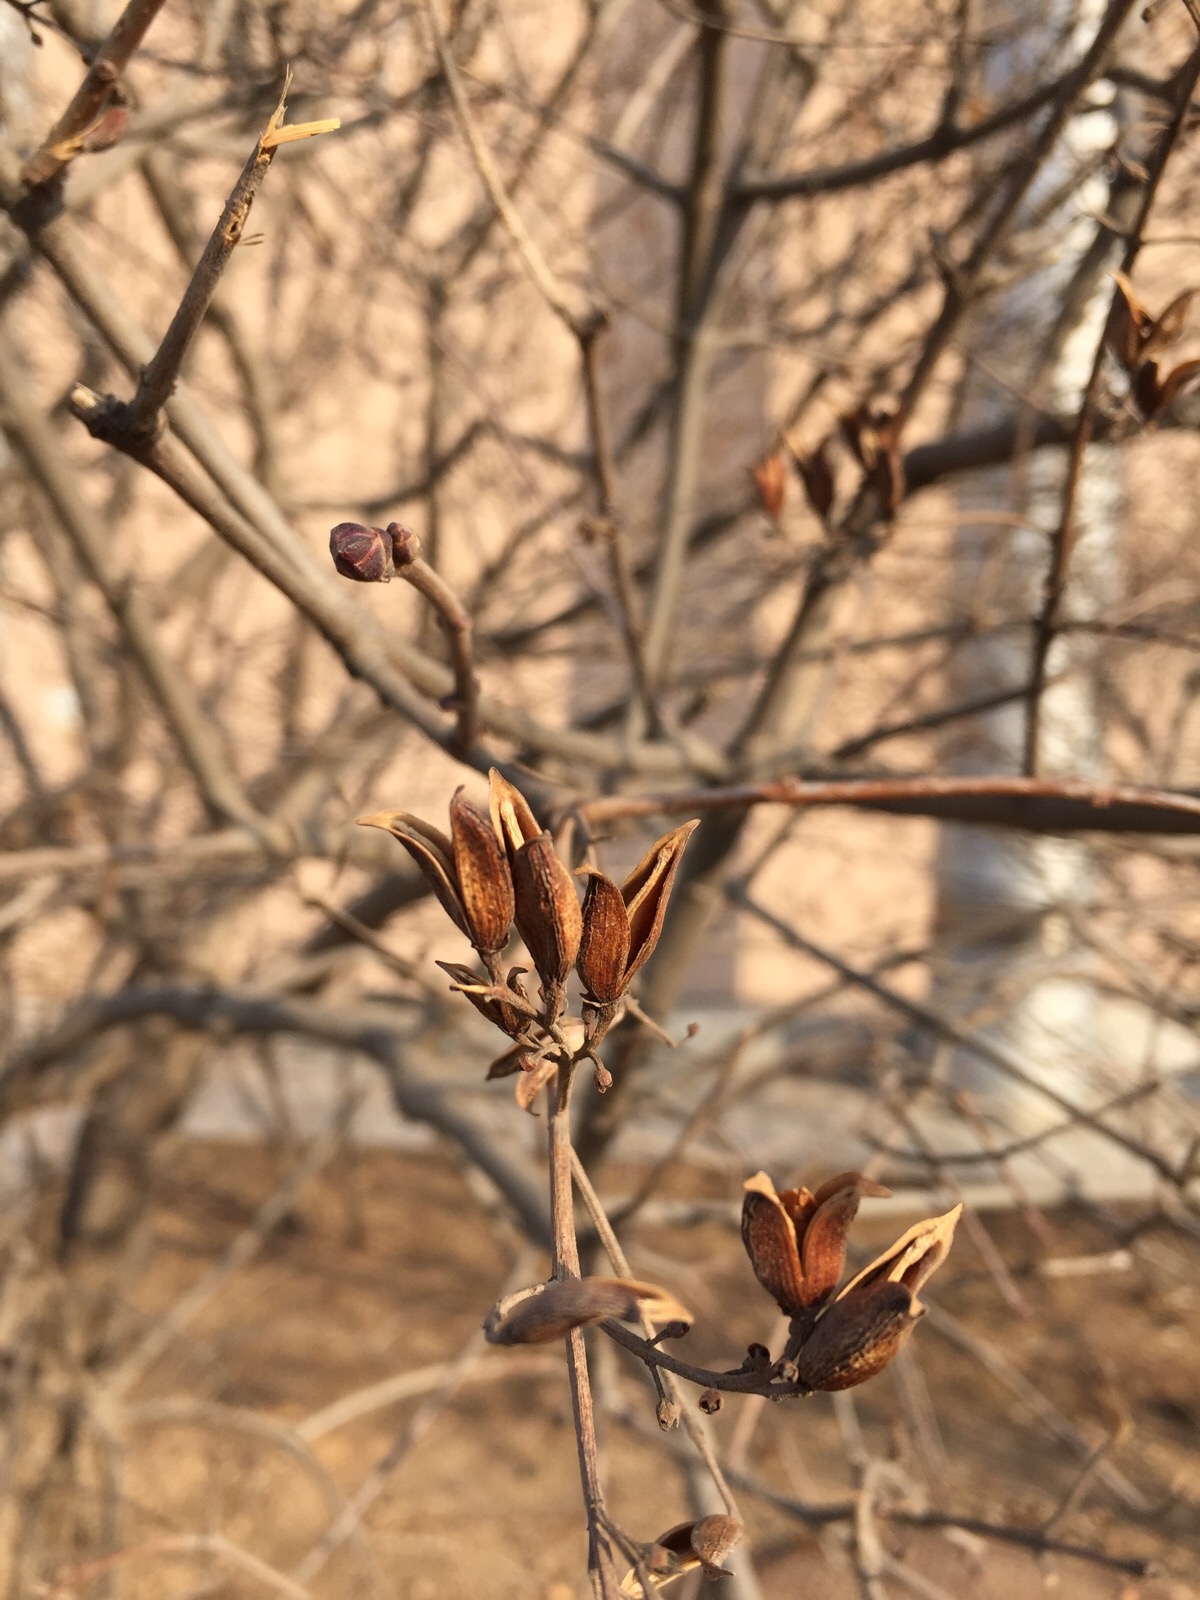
[
  {"x": 1128, "y": 324},
  {"x": 796, "y": 1240},
  {"x": 1170, "y": 322},
  {"x": 712, "y": 1540},
  {"x": 915, "y": 1256},
  {"x": 515, "y": 1059},
  {"x": 484, "y": 881},
  {"x": 361, "y": 553},
  {"x": 647, "y": 892},
  {"x": 548, "y": 1311},
  {"x": 533, "y": 1079},
  {"x": 816, "y": 474},
  {"x": 1163, "y": 388},
  {"x": 514, "y": 822},
  {"x": 621, "y": 927},
  {"x": 1134, "y": 335},
  {"x": 433, "y": 853},
  {"x": 467, "y": 870},
  {"x": 604, "y": 943},
  {"x": 667, "y": 1414},
  {"x": 547, "y": 910},
  {"x": 857, "y": 1336},
  {"x": 704, "y": 1543}
]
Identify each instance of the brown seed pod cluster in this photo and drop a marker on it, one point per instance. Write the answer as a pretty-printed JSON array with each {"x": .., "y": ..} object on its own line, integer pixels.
[
  {"x": 796, "y": 1241},
  {"x": 871, "y": 435},
  {"x": 498, "y": 868}
]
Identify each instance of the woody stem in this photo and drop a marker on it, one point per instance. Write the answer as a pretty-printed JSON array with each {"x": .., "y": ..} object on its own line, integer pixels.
[{"x": 566, "y": 1265}]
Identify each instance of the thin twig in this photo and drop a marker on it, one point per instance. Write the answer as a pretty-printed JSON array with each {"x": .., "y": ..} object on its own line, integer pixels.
[
  {"x": 65, "y": 139},
  {"x": 572, "y": 309},
  {"x": 158, "y": 379},
  {"x": 1063, "y": 543},
  {"x": 1038, "y": 804},
  {"x": 456, "y": 622},
  {"x": 73, "y": 1580},
  {"x": 566, "y": 1264}
]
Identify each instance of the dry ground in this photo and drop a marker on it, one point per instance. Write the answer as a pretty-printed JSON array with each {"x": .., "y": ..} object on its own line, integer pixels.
[{"x": 388, "y": 1266}]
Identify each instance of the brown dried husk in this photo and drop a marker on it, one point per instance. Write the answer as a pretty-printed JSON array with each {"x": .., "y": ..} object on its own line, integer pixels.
[
  {"x": 857, "y": 1336},
  {"x": 548, "y": 1311},
  {"x": 433, "y": 853},
  {"x": 604, "y": 943},
  {"x": 484, "y": 880},
  {"x": 547, "y": 909}
]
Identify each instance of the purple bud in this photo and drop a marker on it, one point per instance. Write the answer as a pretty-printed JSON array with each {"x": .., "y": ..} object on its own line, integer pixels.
[
  {"x": 406, "y": 546},
  {"x": 364, "y": 554}
]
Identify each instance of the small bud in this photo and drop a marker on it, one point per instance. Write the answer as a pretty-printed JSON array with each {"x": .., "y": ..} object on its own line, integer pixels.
[
  {"x": 364, "y": 554},
  {"x": 106, "y": 131},
  {"x": 406, "y": 546},
  {"x": 710, "y": 1402},
  {"x": 668, "y": 1414}
]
